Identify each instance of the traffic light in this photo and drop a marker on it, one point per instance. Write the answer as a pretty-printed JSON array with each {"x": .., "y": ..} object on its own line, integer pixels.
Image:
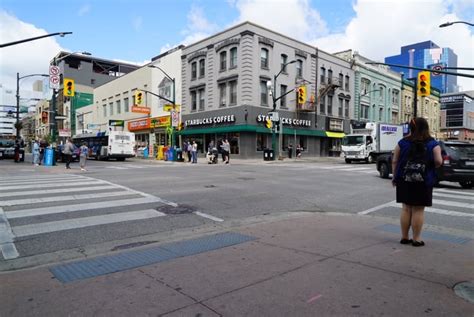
[
  {"x": 423, "y": 84},
  {"x": 138, "y": 97},
  {"x": 180, "y": 126},
  {"x": 268, "y": 123},
  {"x": 44, "y": 117},
  {"x": 301, "y": 94},
  {"x": 68, "y": 89}
]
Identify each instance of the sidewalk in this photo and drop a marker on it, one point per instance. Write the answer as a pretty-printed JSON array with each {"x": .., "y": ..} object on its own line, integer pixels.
[{"x": 298, "y": 265}]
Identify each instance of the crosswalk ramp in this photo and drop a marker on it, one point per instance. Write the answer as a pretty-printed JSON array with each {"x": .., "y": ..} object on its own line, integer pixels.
[
  {"x": 53, "y": 203},
  {"x": 446, "y": 202}
]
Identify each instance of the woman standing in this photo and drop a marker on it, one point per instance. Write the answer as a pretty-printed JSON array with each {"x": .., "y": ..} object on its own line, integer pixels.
[{"x": 414, "y": 161}]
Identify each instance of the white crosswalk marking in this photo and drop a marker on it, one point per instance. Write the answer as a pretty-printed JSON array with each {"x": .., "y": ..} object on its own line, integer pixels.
[{"x": 454, "y": 200}]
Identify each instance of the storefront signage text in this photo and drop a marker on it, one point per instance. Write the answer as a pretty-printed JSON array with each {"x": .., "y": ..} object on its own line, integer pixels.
[
  {"x": 287, "y": 121},
  {"x": 211, "y": 120},
  {"x": 139, "y": 125},
  {"x": 139, "y": 109}
]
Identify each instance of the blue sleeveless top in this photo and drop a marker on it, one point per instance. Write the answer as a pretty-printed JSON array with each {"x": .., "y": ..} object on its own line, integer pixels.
[{"x": 405, "y": 145}]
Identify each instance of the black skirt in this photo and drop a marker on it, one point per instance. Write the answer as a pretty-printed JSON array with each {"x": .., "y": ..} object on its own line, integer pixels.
[{"x": 414, "y": 194}]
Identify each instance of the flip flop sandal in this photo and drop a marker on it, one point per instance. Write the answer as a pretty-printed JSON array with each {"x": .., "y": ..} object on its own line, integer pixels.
[
  {"x": 417, "y": 243},
  {"x": 406, "y": 241}
]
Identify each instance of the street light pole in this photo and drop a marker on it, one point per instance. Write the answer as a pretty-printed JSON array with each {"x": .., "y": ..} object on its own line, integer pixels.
[
  {"x": 274, "y": 100},
  {"x": 451, "y": 23},
  {"x": 35, "y": 38},
  {"x": 360, "y": 103}
]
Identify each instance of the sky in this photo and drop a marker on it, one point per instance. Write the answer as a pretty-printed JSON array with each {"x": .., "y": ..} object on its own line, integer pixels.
[{"x": 136, "y": 30}]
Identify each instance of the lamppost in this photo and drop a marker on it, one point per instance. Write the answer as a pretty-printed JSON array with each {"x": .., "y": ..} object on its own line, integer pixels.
[
  {"x": 53, "y": 103},
  {"x": 173, "y": 102},
  {"x": 451, "y": 23},
  {"x": 274, "y": 101},
  {"x": 360, "y": 103},
  {"x": 61, "y": 34}
]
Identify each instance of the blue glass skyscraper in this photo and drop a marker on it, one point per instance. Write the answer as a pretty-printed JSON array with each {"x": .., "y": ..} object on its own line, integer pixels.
[{"x": 427, "y": 55}]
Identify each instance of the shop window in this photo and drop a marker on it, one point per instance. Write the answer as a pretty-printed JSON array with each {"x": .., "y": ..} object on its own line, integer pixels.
[{"x": 262, "y": 143}]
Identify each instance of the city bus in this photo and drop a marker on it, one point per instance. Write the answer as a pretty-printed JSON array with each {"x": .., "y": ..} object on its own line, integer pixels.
[{"x": 117, "y": 145}]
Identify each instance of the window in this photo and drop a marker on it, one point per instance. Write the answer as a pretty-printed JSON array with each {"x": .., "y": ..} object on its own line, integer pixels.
[
  {"x": 264, "y": 58},
  {"x": 330, "y": 105},
  {"x": 381, "y": 93},
  {"x": 346, "y": 83},
  {"x": 395, "y": 95},
  {"x": 125, "y": 104},
  {"x": 223, "y": 57},
  {"x": 365, "y": 86},
  {"x": 323, "y": 75},
  {"x": 346, "y": 108},
  {"x": 193, "y": 101},
  {"x": 380, "y": 114},
  {"x": 284, "y": 60},
  {"x": 222, "y": 95},
  {"x": 283, "y": 90},
  {"x": 201, "y": 99},
  {"x": 104, "y": 111},
  {"x": 111, "y": 106},
  {"x": 341, "y": 80},
  {"x": 193, "y": 71},
  {"x": 263, "y": 93},
  {"x": 233, "y": 92},
  {"x": 329, "y": 76},
  {"x": 299, "y": 68},
  {"x": 119, "y": 108},
  {"x": 322, "y": 105},
  {"x": 341, "y": 105},
  {"x": 233, "y": 57},
  {"x": 202, "y": 66},
  {"x": 261, "y": 141},
  {"x": 364, "y": 111}
]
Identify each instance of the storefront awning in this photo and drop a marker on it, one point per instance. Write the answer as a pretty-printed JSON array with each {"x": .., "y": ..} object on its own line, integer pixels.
[
  {"x": 335, "y": 134},
  {"x": 250, "y": 128}
]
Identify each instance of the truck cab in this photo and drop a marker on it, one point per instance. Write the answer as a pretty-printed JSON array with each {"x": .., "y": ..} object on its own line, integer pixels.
[{"x": 357, "y": 147}]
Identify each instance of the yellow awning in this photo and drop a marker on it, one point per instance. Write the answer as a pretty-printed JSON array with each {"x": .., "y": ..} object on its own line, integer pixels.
[{"x": 335, "y": 134}]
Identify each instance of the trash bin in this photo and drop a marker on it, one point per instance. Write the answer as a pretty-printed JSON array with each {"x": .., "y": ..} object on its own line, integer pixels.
[
  {"x": 145, "y": 152},
  {"x": 48, "y": 157},
  {"x": 268, "y": 155},
  {"x": 179, "y": 155},
  {"x": 169, "y": 154},
  {"x": 160, "y": 155}
]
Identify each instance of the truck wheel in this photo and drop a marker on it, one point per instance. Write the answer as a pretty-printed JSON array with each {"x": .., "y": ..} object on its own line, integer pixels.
[
  {"x": 348, "y": 161},
  {"x": 466, "y": 184},
  {"x": 369, "y": 159},
  {"x": 383, "y": 170}
]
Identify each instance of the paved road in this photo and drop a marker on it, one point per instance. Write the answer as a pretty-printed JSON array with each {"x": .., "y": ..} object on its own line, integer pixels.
[{"x": 51, "y": 213}]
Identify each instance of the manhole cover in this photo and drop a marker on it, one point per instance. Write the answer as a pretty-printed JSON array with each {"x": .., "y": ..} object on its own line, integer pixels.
[
  {"x": 178, "y": 210},
  {"x": 246, "y": 178},
  {"x": 465, "y": 290}
]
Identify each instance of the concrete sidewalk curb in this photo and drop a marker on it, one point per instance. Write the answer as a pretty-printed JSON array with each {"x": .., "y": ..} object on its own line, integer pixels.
[{"x": 308, "y": 264}]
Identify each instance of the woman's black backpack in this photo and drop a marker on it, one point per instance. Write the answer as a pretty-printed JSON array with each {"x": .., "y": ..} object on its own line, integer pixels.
[{"x": 416, "y": 168}]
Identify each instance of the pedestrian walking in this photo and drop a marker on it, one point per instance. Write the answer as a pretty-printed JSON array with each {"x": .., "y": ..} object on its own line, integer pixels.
[
  {"x": 17, "y": 151},
  {"x": 190, "y": 151},
  {"x": 84, "y": 153},
  {"x": 225, "y": 146},
  {"x": 290, "y": 150},
  {"x": 36, "y": 152},
  {"x": 414, "y": 161},
  {"x": 298, "y": 151},
  {"x": 194, "y": 152},
  {"x": 67, "y": 152}
]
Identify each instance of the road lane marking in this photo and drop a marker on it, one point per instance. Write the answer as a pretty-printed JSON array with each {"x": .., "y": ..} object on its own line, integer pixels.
[
  {"x": 427, "y": 209},
  {"x": 42, "y": 181},
  {"x": 452, "y": 196},
  {"x": 116, "y": 167},
  {"x": 56, "y": 191},
  {"x": 448, "y": 212},
  {"x": 27, "y": 201},
  {"x": 7, "y": 247},
  {"x": 77, "y": 183},
  {"x": 208, "y": 216},
  {"x": 453, "y": 203},
  {"x": 53, "y": 226},
  {"x": 368, "y": 211},
  {"x": 454, "y": 192}
]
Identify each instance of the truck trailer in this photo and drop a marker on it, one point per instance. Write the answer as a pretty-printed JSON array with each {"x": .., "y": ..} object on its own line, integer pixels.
[{"x": 369, "y": 140}]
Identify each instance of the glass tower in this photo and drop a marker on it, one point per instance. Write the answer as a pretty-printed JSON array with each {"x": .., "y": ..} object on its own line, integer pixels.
[{"x": 427, "y": 55}]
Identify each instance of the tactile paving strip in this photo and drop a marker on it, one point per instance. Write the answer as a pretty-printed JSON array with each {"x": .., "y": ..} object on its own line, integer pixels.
[
  {"x": 428, "y": 234},
  {"x": 132, "y": 259}
]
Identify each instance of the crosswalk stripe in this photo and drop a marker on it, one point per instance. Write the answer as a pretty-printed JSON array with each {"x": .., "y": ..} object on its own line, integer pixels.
[
  {"x": 56, "y": 191},
  {"x": 453, "y": 203},
  {"x": 36, "y": 177},
  {"x": 116, "y": 167},
  {"x": 47, "y": 227},
  {"x": 441, "y": 211},
  {"x": 78, "y": 207},
  {"x": 42, "y": 181},
  {"x": 453, "y": 191},
  {"x": 452, "y": 196},
  {"x": 77, "y": 183},
  {"x": 134, "y": 166},
  {"x": 27, "y": 201}
]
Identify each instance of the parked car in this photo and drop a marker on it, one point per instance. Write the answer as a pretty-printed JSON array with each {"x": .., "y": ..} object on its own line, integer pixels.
[{"x": 458, "y": 163}]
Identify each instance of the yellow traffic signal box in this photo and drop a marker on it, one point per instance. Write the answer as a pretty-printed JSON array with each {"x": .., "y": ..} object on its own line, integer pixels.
[
  {"x": 301, "y": 95},
  {"x": 68, "y": 89},
  {"x": 423, "y": 84},
  {"x": 138, "y": 97}
]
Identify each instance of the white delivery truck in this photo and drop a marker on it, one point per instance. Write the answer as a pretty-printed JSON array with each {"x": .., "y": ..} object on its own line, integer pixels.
[{"x": 369, "y": 140}]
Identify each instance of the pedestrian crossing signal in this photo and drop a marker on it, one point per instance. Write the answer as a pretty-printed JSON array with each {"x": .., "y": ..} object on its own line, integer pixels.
[{"x": 68, "y": 89}]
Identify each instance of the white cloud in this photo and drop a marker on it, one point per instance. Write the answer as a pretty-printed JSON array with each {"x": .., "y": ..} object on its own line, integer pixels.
[
  {"x": 137, "y": 23},
  {"x": 380, "y": 28},
  {"x": 25, "y": 58},
  {"x": 84, "y": 10}
]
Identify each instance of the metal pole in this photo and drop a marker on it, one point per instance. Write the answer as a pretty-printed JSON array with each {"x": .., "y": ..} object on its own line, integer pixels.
[
  {"x": 17, "y": 106},
  {"x": 274, "y": 108},
  {"x": 415, "y": 102}
]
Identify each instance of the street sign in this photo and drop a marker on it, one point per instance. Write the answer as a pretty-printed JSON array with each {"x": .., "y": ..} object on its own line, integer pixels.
[
  {"x": 54, "y": 73},
  {"x": 60, "y": 117},
  {"x": 174, "y": 118},
  {"x": 141, "y": 109},
  {"x": 436, "y": 67},
  {"x": 116, "y": 123}
]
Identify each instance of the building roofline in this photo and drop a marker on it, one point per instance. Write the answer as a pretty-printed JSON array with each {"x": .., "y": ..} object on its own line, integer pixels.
[{"x": 91, "y": 58}]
